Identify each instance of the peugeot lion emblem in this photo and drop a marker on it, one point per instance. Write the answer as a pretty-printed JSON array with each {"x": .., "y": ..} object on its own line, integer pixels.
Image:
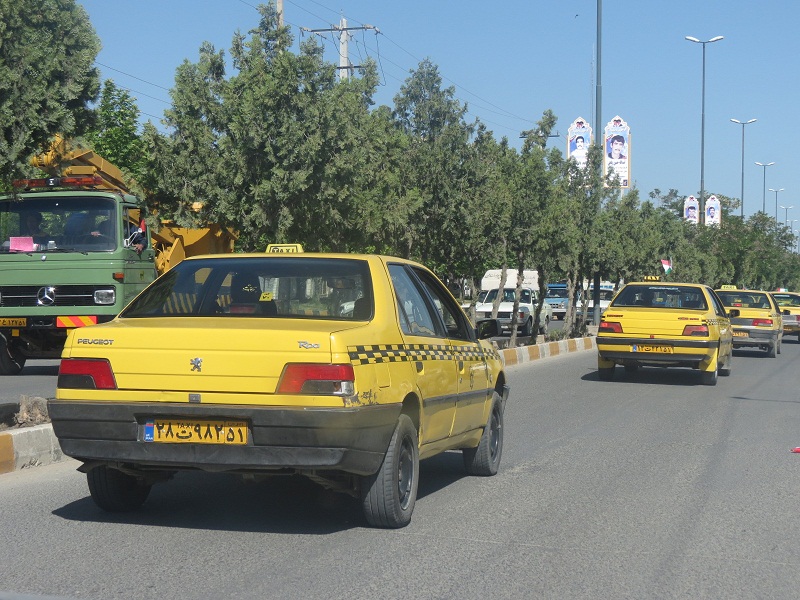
[
  {"x": 46, "y": 296},
  {"x": 197, "y": 364}
]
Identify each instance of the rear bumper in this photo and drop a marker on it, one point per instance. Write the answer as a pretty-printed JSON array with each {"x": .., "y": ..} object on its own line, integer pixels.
[
  {"x": 686, "y": 352},
  {"x": 755, "y": 338},
  {"x": 353, "y": 440}
]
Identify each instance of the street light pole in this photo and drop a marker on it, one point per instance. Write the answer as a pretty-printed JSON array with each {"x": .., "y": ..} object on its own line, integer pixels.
[
  {"x": 703, "y": 122},
  {"x": 743, "y": 123},
  {"x": 786, "y": 214},
  {"x": 764, "y": 192},
  {"x": 776, "y": 201}
]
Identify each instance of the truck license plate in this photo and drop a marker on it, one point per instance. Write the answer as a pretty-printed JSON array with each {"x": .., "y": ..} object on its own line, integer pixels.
[{"x": 13, "y": 322}]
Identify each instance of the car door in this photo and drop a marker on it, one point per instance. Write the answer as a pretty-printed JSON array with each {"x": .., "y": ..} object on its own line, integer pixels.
[
  {"x": 470, "y": 361},
  {"x": 428, "y": 348},
  {"x": 724, "y": 324}
]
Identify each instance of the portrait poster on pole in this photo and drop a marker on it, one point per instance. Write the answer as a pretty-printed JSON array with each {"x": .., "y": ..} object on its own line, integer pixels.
[
  {"x": 579, "y": 137},
  {"x": 617, "y": 150},
  {"x": 691, "y": 208},
  {"x": 713, "y": 211}
]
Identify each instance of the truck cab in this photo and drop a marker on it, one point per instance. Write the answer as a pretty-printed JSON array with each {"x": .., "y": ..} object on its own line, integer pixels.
[{"x": 72, "y": 254}]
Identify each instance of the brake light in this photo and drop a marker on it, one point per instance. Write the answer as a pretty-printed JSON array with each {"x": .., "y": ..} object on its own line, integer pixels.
[
  {"x": 316, "y": 379},
  {"x": 696, "y": 330},
  {"x": 86, "y": 374},
  {"x": 762, "y": 322},
  {"x": 609, "y": 327}
]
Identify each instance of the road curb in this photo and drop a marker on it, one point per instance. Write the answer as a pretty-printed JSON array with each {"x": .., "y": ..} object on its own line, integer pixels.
[
  {"x": 28, "y": 447},
  {"x": 523, "y": 354},
  {"x": 35, "y": 446}
]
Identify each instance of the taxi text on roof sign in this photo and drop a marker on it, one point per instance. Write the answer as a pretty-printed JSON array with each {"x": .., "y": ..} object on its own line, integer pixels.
[
  {"x": 285, "y": 248},
  {"x": 728, "y": 287}
]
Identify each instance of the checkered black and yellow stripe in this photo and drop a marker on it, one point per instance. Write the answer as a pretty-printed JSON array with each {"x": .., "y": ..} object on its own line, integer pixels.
[{"x": 386, "y": 353}]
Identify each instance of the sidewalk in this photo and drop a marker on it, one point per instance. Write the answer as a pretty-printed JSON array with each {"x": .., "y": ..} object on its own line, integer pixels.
[{"x": 26, "y": 447}]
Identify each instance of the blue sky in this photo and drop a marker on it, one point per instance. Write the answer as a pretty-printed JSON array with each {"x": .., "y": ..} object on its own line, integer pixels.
[{"x": 510, "y": 61}]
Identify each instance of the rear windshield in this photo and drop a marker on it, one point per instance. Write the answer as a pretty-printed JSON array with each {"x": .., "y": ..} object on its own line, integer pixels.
[
  {"x": 742, "y": 299},
  {"x": 295, "y": 288},
  {"x": 787, "y": 299},
  {"x": 661, "y": 296}
]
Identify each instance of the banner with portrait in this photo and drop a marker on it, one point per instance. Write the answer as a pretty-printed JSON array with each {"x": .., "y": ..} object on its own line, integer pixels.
[
  {"x": 691, "y": 210},
  {"x": 713, "y": 211},
  {"x": 579, "y": 138},
  {"x": 617, "y": 150}
]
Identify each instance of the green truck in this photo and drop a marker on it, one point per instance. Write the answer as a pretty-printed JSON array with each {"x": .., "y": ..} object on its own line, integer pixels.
[{"x": 73, "y": 251}]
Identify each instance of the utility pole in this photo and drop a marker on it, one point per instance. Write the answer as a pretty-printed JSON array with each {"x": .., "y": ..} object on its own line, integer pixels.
[
  {"x": 346, "y": 68},
  {"x": 280, "y": 13}
]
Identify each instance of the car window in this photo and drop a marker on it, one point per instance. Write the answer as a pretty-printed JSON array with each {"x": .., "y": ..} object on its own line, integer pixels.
[
  {"x": 716, "y": 303},
  {"x": 661, "y": 296},
  {"x": 742, "y": 299},
  {"x": 414, "y": 314},
  {"x": 293, "y": 288},
  {"x": 452, "y": 316}
]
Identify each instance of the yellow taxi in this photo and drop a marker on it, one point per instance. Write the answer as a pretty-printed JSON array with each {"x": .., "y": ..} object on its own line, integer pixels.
[
  {"x": 346, "y": 368},
  {"x": 789, "y": 304},
  {"x": 661, "y": 324},
  {"x": 759, "y": 324}
]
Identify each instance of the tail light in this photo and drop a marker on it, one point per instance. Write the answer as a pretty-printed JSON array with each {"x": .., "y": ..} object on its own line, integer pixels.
[
  {"x": 86, "y": 374},
  {"x": 762, "y": 322},
  {"x": 696, "y": 330},
  {"x": 315, "y": 379},
  {"x": 609, "y": 327}
]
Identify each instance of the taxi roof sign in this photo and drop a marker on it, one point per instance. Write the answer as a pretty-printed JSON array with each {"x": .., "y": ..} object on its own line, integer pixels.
[
  {"x": 285, "y": 248},
  {"x": 728, "y": 286},
  {"x": 652, "y": 278}
]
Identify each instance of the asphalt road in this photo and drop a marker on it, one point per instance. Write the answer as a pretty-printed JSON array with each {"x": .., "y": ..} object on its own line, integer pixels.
[{"x": 648, "y": 487}]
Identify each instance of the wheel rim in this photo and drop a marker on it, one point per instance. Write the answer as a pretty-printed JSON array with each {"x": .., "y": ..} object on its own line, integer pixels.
[
  {"x": 494, "y": 436},
  {"x": 405, "y": 473}
]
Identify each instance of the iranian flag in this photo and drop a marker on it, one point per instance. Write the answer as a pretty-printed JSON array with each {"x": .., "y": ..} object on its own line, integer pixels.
[{"x": 667, "y": 264}]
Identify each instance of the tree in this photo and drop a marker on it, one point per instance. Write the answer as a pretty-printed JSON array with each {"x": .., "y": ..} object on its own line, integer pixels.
[
  {"x": 115, "y": 134},
  {"x": 47, "y": 77}
]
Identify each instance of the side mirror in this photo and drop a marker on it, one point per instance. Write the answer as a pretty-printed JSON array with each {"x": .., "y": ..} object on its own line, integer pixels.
[
  {"x": 487, "y": 328},
  {"x": 734, "y": 312}
]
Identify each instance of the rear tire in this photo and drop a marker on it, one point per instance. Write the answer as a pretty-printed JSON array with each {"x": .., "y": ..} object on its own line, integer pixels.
[
  {"x": 726, "y": 370},
  {"x": 527, "y": 329},
  {"x": 11, "y": 361},
  {"x": 710, "y": 377},
  {"x": 545, "y": 327},
  {"x": 606, "y": 374},
  {"x": 484, "y": 460},
  {"x": 772, "y": 351},
  {"x": 115, "y": 491},
  {"x": 388, "y": 496}
]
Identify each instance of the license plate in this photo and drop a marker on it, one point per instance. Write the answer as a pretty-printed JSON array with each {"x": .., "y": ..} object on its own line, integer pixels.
[
  {"x": 194, "y": 431},
  {"x": 740, "y": 334},
  {"x": 13, "y": 322},
  {"x": 651, "y": 349}
]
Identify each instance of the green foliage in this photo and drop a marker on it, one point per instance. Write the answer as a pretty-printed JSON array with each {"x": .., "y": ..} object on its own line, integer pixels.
[{"x": 47, "y": 77}]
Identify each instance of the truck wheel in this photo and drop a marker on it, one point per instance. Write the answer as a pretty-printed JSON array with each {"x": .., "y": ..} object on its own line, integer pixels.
[
  {"x": 544, "y": 328},
  {"x": 485, "y": 459},
  {"x": 388, "y": 496},
  {"x": 11, "y": 361},
  {"x": 115, "y": 491}
]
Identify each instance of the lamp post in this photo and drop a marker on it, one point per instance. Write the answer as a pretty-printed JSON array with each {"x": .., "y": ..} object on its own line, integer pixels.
[
  {"x": 703, "y": 121},
  {"x": 743, "y": 123},
  {"x": 764, "y": 193},
  {"x": 776, "y": 201},
  {"x": 786, "y": 214}
]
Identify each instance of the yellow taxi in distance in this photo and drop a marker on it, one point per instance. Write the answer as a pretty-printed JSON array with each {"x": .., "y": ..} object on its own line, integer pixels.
[
  {"x": 789, "y": 304},
  {"x": 759, "y": 324},
  {"x": 666, "y": 325},
  {"x": 345, "y": 368}
]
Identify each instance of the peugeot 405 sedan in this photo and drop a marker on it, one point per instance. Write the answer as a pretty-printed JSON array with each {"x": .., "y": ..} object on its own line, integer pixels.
[
  {"x": 666, "y": 325},
  {"x": 347, "y": 369}
]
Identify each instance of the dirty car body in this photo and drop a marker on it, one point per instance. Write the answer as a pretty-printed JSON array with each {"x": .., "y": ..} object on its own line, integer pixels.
[{"x": 348, "y": 369}]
